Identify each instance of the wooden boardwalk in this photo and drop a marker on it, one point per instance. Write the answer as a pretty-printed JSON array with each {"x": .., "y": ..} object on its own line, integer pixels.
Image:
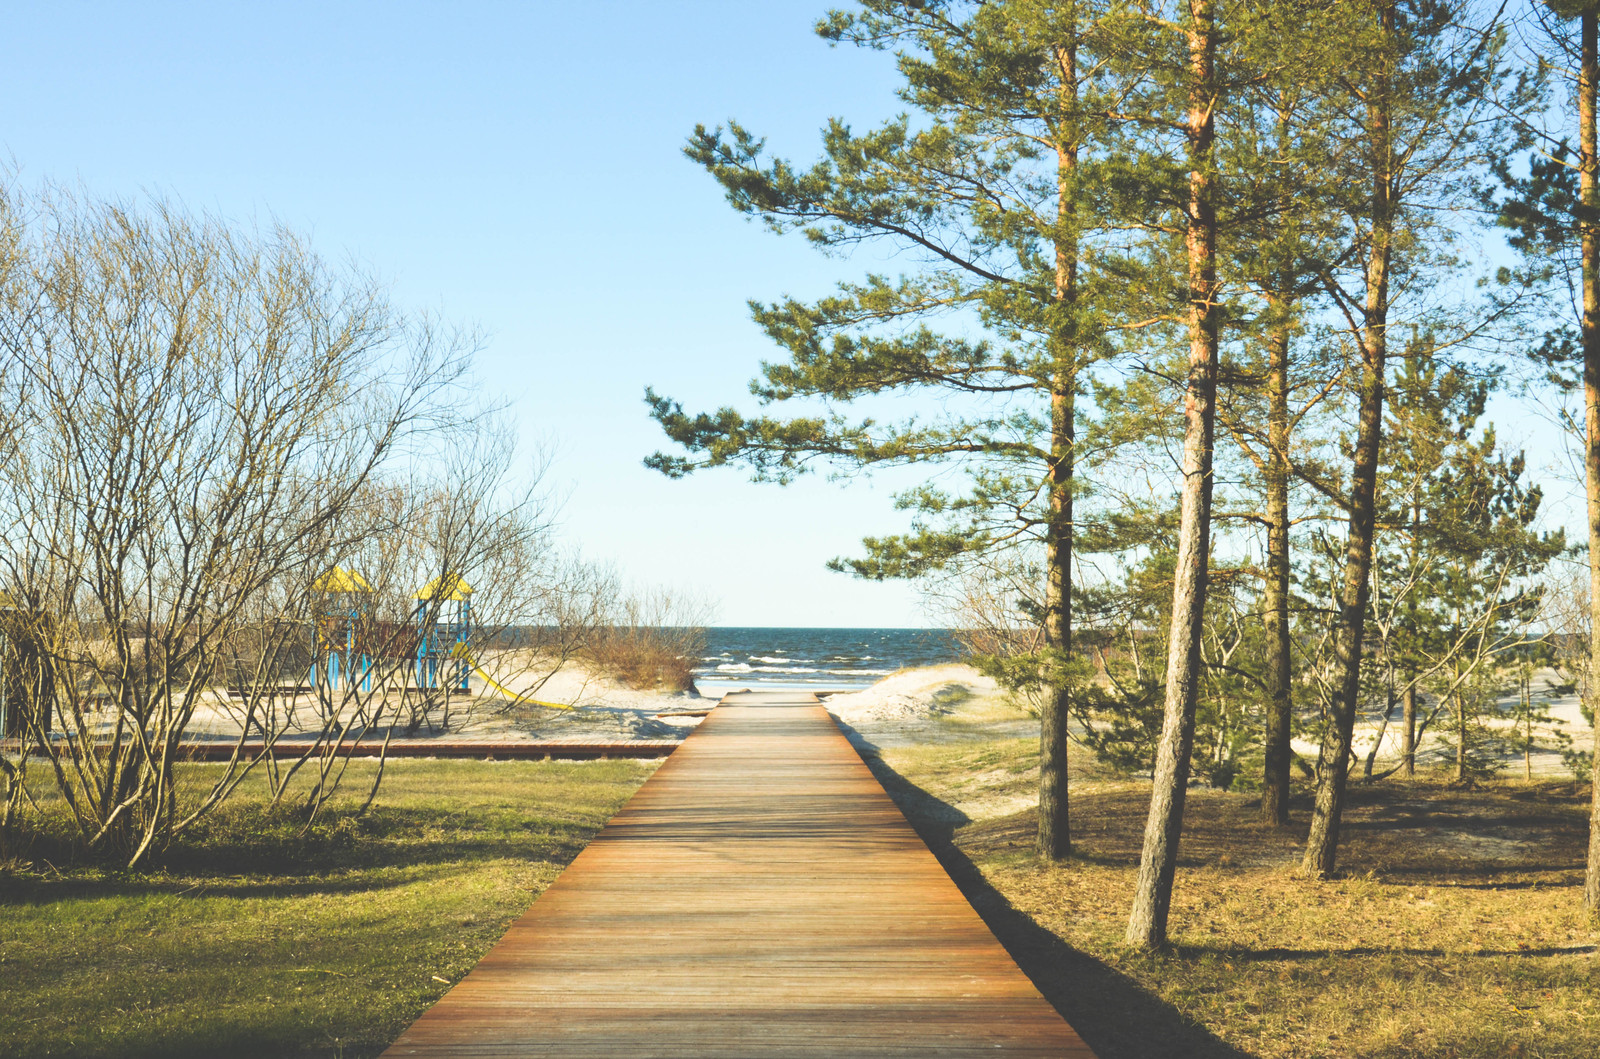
[{"x": 759, "y": 896}]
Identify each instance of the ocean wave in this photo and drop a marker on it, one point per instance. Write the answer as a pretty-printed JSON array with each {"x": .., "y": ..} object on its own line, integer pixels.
[
  {"x": 740, "y": 667},
  {"x": 836, "y": 657}
]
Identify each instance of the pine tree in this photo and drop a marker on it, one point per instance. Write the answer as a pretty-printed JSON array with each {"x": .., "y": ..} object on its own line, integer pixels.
[
  {"x": 1198, "y": 84},
  {"x": 1456, "y": 553},
  {"x": 1423, "y": 114},
  {"x": 992, "y": 188},
  {"x": 1555, "y": 213},
  {"x": 1289, "y": 238},
  {"x": 1435, "y": 408}
]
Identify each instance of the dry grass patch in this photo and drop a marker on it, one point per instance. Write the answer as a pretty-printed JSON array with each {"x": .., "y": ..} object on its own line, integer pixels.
[{"x": 1457, "y": 930}]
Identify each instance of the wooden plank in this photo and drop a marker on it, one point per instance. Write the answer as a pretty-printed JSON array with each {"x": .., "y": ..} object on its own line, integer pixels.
[{"x": 760, "y": 895}]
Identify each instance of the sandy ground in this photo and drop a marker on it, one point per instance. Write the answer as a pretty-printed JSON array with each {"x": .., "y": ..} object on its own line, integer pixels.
[
  {"x": 939, "y": 707},
  {"x": 913, "y": 694},
  {"x": 936, "y": 704},
  {"x": 945, "y": 703},
  {"x": 1545, "y": 760},
  {"x": 589, "y": 707},
  {"x": 918, "y": 706}
]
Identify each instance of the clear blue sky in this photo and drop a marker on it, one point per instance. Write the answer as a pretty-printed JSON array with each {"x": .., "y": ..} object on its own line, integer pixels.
[{"x": 517, "y": 166}]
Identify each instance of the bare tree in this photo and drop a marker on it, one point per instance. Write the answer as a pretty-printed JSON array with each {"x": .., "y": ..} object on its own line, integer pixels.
[{"x": 197, "y": 412}]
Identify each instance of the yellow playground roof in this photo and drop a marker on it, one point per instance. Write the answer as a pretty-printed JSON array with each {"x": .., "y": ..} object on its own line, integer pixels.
[
  {"x": 341, "y": 580},
  {"x": 448, "y": 587}
]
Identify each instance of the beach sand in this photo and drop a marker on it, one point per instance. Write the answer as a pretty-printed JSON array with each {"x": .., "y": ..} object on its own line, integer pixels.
[
  {"x": 942, "y": 703},
  {"x": 939, "y": 703},
  {"x": 583, "y": 705}
]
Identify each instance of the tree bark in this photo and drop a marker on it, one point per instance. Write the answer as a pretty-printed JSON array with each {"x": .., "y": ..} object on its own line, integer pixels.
[
  {"x": 1412, "y": 558},
  {"x": 1275, "y": 787},
  {"x": 1589, "y": 192},
  {"x": 1527, "y": 716},
  {"x": 1322, "y": 844},
  {"x": 1409, "y": 758},
  {"x": 1055, "y": 834},
  {"x": 1147, "y": 925}
]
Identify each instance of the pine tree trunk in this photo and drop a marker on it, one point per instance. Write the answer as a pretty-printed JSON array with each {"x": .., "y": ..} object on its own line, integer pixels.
[
  {"x": 1589, "y": 190},
  {"x": 1055, "y": 833},
  {"x": 1322, "y": 843},
  {"x": 1275, "y": 787},
  {"x": 1461, "y": 738},
  {"x": 1147, "y": 925},
  {"x": 1527, "y": 715},
  {"x": 1410, "y": 756},
  {"x": 1412, "y": 558}
]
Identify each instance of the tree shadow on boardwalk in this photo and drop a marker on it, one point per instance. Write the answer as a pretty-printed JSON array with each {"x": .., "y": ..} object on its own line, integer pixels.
[{"x": 1116, "y": 1016}]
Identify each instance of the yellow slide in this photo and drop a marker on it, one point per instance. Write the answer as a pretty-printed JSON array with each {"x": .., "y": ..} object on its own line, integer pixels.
[
  {"x": 508, "y": 693},
  {"x": 502, "y": 689}
]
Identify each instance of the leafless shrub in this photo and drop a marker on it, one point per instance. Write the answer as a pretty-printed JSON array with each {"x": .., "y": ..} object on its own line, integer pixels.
[
  {"x": 1566, "y": 618},
  {"x": 990, "y": 604},
  {"x": 196, "y": 418},
  {"x": 651, "y": 638}
]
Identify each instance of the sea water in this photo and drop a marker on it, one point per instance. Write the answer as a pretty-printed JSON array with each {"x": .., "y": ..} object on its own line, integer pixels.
[{"x": 819, "y": 659}]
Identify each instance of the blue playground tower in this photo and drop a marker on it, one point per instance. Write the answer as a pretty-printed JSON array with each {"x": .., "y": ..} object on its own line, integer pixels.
[
  {"x": 444, "y": 657},
  {"x": 341, "y": 608}
]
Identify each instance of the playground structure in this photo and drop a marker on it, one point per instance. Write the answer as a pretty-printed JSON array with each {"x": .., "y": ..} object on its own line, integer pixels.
[
  {"x": 439, "y": 647},
  {"x": 341, "y": 657},
  {"x": 444, "y": 645},
  {"x": 344, "y": 631},
  {"x": 444, "y": 634}
]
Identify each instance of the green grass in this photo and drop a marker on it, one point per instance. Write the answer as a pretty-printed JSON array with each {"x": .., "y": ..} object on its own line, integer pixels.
[
  {"x": 249, "y": 940},
  {"x": 1457, "y": 929}
]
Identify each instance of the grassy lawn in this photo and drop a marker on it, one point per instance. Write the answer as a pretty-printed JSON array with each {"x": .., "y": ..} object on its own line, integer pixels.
[
  {"x": 1457, "y": 929},
  {"x": 250, "y": 941}
]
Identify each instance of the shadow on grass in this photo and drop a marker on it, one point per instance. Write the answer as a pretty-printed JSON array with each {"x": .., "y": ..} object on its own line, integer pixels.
[
  {"x": 1116, "y": 1016},
  {"x": 1551, "y": 876},
  {"x": 35, "y": 890},
  {"x": 1267, "y": 955},
  {"x": 343, "y": 854}
]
